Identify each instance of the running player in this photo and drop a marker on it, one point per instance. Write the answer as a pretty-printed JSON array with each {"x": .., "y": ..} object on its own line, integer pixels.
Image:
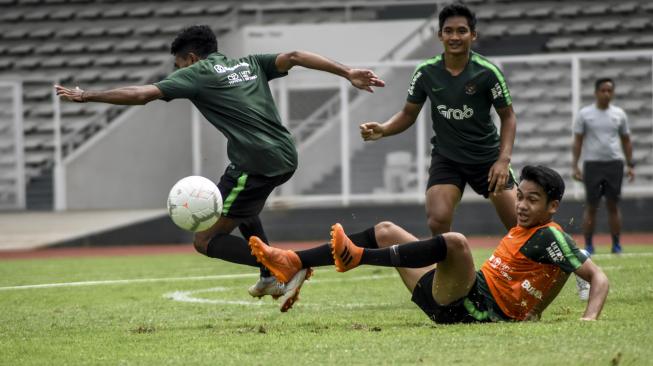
[
  {"x": 234, "y": 96},
  {"x": 519, "y": 280},
  {"x": 462, "y": 87}
]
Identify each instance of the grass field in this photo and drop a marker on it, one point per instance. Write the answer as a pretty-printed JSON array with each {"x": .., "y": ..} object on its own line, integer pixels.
[{"x": 129, "y": 311}]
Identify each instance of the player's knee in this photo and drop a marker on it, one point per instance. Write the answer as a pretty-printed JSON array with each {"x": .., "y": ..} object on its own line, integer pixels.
[
  {"x": 456, "y": 243},
  {"x": 384, "y": 230},
  {"x": 200, "y": 244},
  {"x": 437, "y": 225},
  {"x": 612, "y": 206}
]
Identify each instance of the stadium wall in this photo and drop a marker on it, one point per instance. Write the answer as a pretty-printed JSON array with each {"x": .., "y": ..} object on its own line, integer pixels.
[
  {"x": 312, "y": 224},
  {"x": 134, "y": 162}
]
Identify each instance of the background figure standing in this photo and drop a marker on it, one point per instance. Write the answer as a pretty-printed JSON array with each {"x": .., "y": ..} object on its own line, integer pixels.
[{"x": 601, "y": 132}]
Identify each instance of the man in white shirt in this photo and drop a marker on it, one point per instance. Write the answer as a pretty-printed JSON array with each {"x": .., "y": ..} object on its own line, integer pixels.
[{"x": 601, "y": 132}]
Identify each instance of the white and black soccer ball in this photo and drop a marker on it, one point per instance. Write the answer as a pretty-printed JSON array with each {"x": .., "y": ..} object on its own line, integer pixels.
[{"x": 194, "y": 203}]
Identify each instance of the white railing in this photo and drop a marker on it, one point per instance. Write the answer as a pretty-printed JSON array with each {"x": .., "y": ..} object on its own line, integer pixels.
[
  {"x": 340, "y": 140},
  {"x": 12, "y": 174}
]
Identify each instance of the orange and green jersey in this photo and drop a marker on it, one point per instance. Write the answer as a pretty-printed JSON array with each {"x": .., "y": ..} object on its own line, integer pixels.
[{"x": 525, "y": 266}]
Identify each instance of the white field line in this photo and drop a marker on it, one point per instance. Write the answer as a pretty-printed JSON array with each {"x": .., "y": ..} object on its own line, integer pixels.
[
  {"x": 187, "y": 296},
  {"x": 145, "y": 280},
  {"x": 222, "y": 277}
]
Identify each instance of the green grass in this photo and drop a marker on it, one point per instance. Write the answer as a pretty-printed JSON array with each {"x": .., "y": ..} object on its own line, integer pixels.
[{"x": 362, "y": 317}]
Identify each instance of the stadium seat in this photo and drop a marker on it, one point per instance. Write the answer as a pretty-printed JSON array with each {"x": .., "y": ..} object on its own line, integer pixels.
[
  {"x": 549, "y": 28},
  {"x": 69, "y": 32},
  {"x": 624, "y": 8},
  {"x": 607, "y": 26},
  {"x": 643, "y": 40},
  {"x": 121, "y": 31},
  {"x": 596, "y": 9},
  {"x": 559, "y": 44},
  {"x": 100, "y": 47},
  {"x": 140, "y": 12},
  {"x": 567, "y": 11},
  {"x": 588, "y": 42},
  {"x": 21, "y": 50},
  {"x": 62, "y": 14},
  {"x": 19, "y": 33},
  {"x": 618, "y": 41}
]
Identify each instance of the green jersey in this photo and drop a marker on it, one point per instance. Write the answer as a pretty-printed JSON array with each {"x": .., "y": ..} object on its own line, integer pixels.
[
  {"x": 234, "y": 96},
  {"x": 464, "y": 131}
]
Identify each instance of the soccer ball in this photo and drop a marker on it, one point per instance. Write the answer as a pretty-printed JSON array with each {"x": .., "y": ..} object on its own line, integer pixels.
[{"x": 194, "y": 203}]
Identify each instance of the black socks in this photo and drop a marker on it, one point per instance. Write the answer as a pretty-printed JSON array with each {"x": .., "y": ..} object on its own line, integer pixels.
[
  {"x": 321, "y": 255},
  {"x": 253, "y": 227},
  {"x": 231, "y": 249},
  {"x": 410, "y": 255}
]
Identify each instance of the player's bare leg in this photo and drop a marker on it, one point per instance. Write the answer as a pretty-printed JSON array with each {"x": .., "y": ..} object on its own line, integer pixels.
[
  {"x": 589, "y": 221},
  {"x": 441, "y": 201},
  {"x": 614, "y": 221},
  {"x": 388, "y": 234},
  {"x": 456, "y": 273},
  {"x": 504, "y": 203}
]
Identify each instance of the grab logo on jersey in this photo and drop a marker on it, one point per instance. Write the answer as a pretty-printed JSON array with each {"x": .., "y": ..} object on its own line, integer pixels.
[{"x": 457, "y": 114}]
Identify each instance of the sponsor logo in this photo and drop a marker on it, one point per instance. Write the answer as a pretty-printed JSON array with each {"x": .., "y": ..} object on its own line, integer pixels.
[
  {"x": 239, "y": 77},
  {"x": 555, "y": 253},
  {"x": 496, "y": 91},
  {"x": 470, "y": 88},
  {"x": 496, "y": 263},
  {"x": 526, "y": 285},
  {"x": 411, "y": 88},
  {"x": 457, "y": 114},
  {"x": 224, "y": 69},
  {"x": 435, "y": 90}
]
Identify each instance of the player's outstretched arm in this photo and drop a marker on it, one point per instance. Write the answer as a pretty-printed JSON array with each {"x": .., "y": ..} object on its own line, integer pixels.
[
  {"x": 360, "y": 78},
  {"x": 130, "y": 95},
  {"x": 398, "y": 123},
  {"x": 599, "y": 286}
]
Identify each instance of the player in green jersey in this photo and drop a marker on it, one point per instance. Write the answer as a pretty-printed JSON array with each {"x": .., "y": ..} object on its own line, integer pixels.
[
  {"x": 234, "y": 96},
  {"x": 462, "y": 87}
]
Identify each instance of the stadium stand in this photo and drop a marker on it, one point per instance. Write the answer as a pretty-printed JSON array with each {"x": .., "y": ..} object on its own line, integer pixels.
[{"x": 106, "y": 43}]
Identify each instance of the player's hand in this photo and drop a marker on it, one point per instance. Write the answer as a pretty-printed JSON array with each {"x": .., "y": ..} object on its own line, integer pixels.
[
  {"x": 630, "y": 172},
  {"x": 498, "y": 175},
  {"x": 577, "y": 174},
  {"x": 71, "y": 95},
  {"x": 371, "y": 131},
  {"x": 365, "y": 79}
]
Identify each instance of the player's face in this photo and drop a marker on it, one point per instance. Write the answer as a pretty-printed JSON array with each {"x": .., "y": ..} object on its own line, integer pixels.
[
  {"x": 456, "y": 36},
  {"x": 532, "y": 207},
  {"x": 604, "y": 93}
]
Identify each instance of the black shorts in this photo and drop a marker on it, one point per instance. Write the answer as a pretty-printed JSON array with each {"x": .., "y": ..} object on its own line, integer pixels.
[
  {"x": 602, "y": 178},
  {"x": 447, "y": 171},
  {"x": 243, "y": 194},
  {"x": 470, "y": 309}
]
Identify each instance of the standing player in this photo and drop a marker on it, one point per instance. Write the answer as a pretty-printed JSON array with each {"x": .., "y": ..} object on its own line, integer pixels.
[
  {"x": 234, "y": 96},
  {"x": 462, "y": 87},
  {"x": 601, "y": 132},
  {"x": 519, "y": 280}
]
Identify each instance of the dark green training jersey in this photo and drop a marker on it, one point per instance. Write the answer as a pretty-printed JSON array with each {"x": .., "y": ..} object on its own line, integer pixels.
[
  {"x": 464, "y": 131},
  {"x": 234, "y": 95}
]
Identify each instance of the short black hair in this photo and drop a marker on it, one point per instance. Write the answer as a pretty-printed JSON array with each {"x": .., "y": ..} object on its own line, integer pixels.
[
  {"x": 198, "y": 39},
  {"x": 600, "y": 81},
  {"x": 547, "y": 178},
  {"x": 457, "y": 10}
]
